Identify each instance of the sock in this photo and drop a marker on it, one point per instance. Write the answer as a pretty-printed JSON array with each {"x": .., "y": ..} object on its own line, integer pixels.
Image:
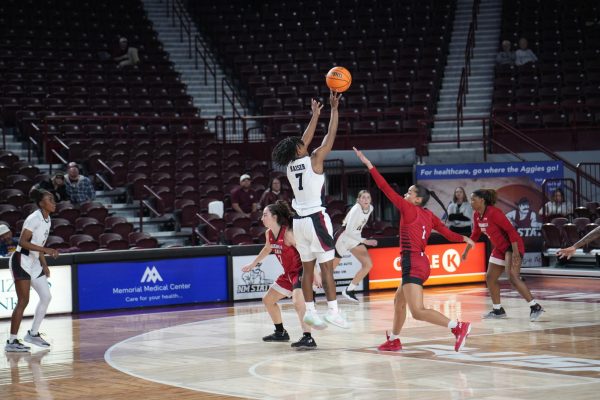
[
  {"x": 351, "y": 287},
  {"x": 532, "y": 303},
  {"x": 310, "y": 307},
  {"x": 496, "y": 306},
  {"x": 307, "y": 334},
  {"x": 13, "y": 337},
  {"x": 452, "y": 324},
  {"x": 332, "y": 306},
  {"x": 393, "y": 337},
  {"x": 279, "y": 327}
]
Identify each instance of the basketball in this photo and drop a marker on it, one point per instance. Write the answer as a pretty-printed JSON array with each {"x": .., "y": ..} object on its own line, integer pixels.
[{"x": 338, "y": 79}]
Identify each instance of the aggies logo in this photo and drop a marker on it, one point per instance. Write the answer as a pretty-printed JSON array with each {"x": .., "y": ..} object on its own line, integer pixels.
[{"x": 151, "y": 275}]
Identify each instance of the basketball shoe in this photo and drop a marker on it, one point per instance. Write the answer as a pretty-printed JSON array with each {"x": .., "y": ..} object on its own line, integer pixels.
[
  {"x": 495, "y": 314},
  {"x": 461, "y": 332},
  {"x": 305, "y": 343},
  {"x": 350, "y": 295},
  {"x": 313, "y": 319},
  {"x": 536, "y": 312},
  {"x": 36, "y": 339},
  {"x": 277, "y": 337},
  {"x": 337, "y": 319},
  {"x": 16, "y": 346},
  {"x": 390, "y": 345}
]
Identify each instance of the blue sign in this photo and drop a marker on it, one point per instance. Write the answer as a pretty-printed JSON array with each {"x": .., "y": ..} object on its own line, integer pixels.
[
  {"x": 535, "y": 170},
  {"x": 131, "y": 284}
]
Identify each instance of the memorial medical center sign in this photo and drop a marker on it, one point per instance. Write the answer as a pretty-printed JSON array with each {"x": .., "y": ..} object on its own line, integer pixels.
[{"x": 445, "y": 260}]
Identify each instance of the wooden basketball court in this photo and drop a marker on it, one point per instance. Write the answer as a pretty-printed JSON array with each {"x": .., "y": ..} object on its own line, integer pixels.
[{"x": 216, "y": 352}]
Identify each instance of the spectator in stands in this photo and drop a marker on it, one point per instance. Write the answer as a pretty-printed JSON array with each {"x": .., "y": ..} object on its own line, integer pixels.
[
  {"x": 524, "y": 54},
  {"x": 243, "y": 198},
  {"x": 460, "y": 213},
  {"x": 557, "y": 206},
  {"x": 125, "y": 55},
  {"x": 56, "y": 186},
  {"x": 79, "y": 187},
  {"x": 506, "y": 56},
  {"x": 8, "y": 244},
  {"x": 273, "y": 193}
]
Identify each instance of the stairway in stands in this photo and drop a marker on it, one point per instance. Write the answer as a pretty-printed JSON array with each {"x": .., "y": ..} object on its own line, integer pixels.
[
  {"x": 169, "y": 35},
  {"x": 479, "y": 97}
]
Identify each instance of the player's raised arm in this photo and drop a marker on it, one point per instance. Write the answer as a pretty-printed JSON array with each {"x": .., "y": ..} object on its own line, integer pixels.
[
  {"x": 320, "y": 153},
  {"x": 309, "y": 132}
]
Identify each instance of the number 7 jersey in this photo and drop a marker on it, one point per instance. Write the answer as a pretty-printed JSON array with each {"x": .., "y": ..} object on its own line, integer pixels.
[{"x": 307, "y": 186}]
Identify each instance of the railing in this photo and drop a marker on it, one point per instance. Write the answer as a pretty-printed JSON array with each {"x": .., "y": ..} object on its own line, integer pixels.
[
  {"x": 463, "y": 86},
  {"x": 588, "y": 176},
  {"x": 178, "y": 10},
  {"x": 225, "y": 84},
  {"x": 196, "y": 231},
  {"x": 201, "y": 51},
  {"x": 146, "y": 203},
  {"x": 101, "y": 178}
]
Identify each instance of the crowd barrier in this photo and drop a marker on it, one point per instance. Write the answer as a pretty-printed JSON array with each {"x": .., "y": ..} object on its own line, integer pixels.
[{"x": 84, "y": 282}]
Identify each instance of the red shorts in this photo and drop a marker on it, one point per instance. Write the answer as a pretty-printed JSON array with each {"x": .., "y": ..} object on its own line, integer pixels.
[
  {"x": 497, "y": 256},
  {"x": 415, "y": 268},
  {"x": 288, "y": 281}
]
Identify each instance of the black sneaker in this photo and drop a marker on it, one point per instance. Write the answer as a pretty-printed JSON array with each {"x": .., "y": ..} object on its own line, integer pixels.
[
  {"x": 536, "y": 312},
  {"x": 350, "y": 295},
  {"x": 495, "y": 314},
  {"x": 277, "y": 337},
  {"x": 305, "y": 343}
]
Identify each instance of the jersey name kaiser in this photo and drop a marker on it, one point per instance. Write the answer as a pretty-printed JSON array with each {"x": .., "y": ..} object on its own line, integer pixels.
[{"x": 299, "y": 167}]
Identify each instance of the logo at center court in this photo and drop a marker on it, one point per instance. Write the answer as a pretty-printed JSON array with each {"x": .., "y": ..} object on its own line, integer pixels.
[{"x": 151, "y": 275}]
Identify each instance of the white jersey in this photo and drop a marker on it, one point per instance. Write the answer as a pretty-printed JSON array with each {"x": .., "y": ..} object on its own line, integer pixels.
[
  {"x": 307, "y": 186},
  {"x": 355, "y": 221},
  {"x": 40, "y": 228}
]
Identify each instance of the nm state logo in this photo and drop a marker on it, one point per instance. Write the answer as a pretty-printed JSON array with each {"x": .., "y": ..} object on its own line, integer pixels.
[
  {"x": 151, "y": 275},
  {"x": 254, "y": 281}
]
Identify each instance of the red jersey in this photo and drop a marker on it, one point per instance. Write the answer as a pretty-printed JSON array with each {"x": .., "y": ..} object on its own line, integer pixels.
[
  {"x": 494, "y": 224},
  {"x": 288, "y": 256},
  {"x": 416, "y": 223}
]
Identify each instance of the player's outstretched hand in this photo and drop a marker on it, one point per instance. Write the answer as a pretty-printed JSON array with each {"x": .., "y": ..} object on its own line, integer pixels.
[
  {"x": 568, "y": 252},
  {"x": 371, "y": 242},
  {"x": 316, "y": 107},
  {"x": 363, "y": 158},
  {"x": 334, "y": 99},
  {"x": 247, "y": 268}
]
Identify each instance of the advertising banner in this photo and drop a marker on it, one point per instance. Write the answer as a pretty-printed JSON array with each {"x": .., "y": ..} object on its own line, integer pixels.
[
  {"x": 254, "y": 284},
  {"x": 129, "y": 284},
  {"x": 445, "y": 260},
  {"x": 518, "y": 185},
  {"x": 60, "y": 288}
]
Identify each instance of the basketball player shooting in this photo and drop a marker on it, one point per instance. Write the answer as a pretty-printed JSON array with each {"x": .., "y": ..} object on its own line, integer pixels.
[{"x": 312, "y": 226}]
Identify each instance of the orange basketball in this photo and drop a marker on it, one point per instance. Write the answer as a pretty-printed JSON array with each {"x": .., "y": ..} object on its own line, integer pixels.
[{"x": 338, "y": 79}]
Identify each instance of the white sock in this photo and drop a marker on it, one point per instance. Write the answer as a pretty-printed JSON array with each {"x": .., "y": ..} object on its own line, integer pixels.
[
  {"x": 13, "y": 337},
  {"x": 452, "y": 324},
  {"x": 332, "y": 306},
  {"x": 393, "y": 337},
  {"x": 496, "y": 306},
  {"x": 351, "y": 287},
  {"x": 532, "y": 303},
  {"x": 310, "y": 307}
]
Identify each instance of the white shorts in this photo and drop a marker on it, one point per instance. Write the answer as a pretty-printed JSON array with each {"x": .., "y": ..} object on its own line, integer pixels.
[
  {"x": 345, "y": 243},
  {"x": 314, "y": 237},
  {"x": 24, "y": 267}
]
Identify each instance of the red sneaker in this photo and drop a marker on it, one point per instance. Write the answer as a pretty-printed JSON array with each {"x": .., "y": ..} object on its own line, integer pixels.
[
  {"x": 461, "y": 332},
  {"x": 390, "y": 345}
]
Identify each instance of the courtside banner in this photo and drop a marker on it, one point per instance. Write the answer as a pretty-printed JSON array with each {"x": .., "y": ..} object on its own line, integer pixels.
[
  {"x": 255, "y": 284},
  {"x": 60, "y": 288},
  {"x": 519, "y": 188},
  {"x": 444, "y": 259},
  {"x": 105, "y": 286}
]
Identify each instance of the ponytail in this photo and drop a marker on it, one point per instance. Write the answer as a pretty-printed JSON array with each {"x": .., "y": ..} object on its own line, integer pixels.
[
  {"x": 282, "y": 211},
  {"x": 437, "y": 199}
]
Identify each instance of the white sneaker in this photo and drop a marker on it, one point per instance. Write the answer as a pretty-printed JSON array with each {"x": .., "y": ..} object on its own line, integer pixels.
[
  {"x": 314, "y": 320},
  {"x": 38, "y": 340},
  {"x": 337, "y": 319},
  {"x": 16, "y": 346}
]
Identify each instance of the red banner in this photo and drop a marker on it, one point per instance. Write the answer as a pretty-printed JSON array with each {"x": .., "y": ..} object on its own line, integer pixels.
[{"x": 444, "y": 259}]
